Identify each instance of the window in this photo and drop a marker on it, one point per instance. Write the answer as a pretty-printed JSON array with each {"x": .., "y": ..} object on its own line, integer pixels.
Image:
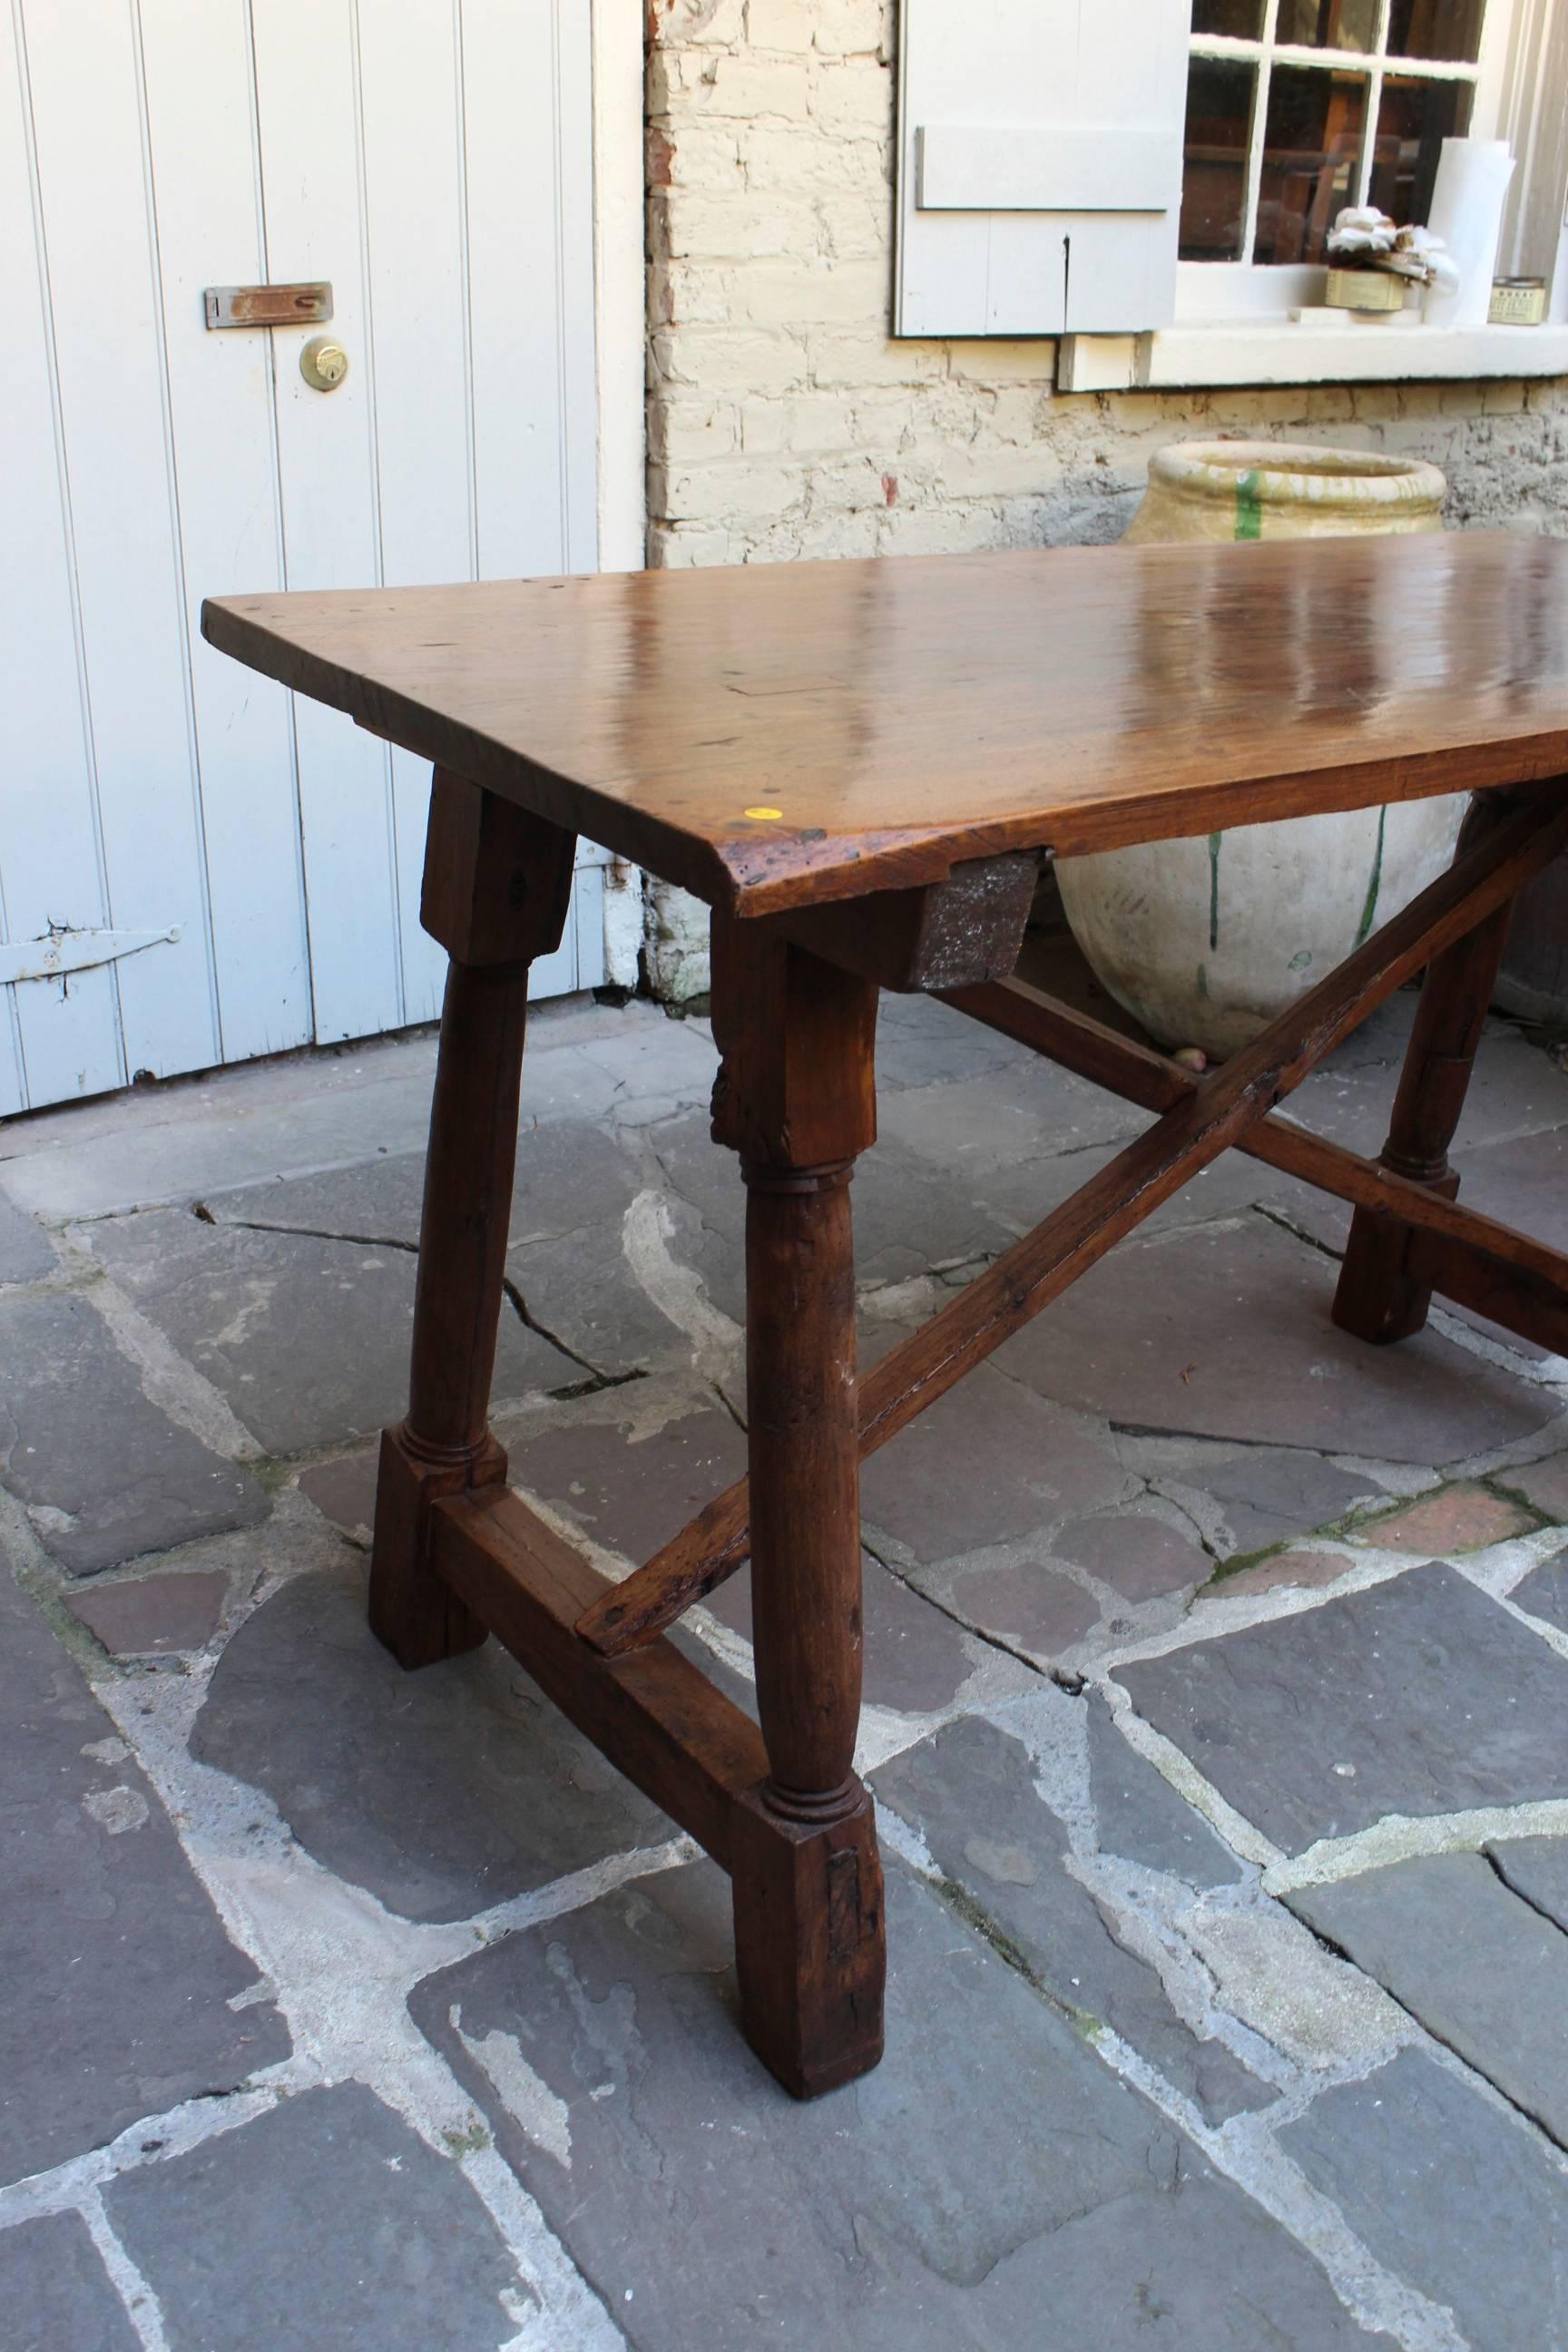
[{"x": 1298, "y": 108}]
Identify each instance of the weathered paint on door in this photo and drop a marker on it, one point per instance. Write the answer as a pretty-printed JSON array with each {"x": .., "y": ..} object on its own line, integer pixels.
[{"x": 210, "y": 869}]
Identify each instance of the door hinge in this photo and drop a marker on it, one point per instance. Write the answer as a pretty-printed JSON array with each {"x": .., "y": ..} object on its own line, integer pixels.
[{"x": 62, "y": 951}]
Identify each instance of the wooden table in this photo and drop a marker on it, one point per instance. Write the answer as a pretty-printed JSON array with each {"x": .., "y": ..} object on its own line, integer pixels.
[{"x": 859, "y": 766}]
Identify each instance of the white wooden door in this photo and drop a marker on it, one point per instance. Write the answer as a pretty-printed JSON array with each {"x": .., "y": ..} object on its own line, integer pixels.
[{"x": 195, "y": 867}]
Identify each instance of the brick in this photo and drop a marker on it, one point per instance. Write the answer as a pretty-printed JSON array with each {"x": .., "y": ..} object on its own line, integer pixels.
[
  {"x": 735, "y": 228},
  {"x": 812, "y": 291},
  {"x": 1462, "y": 1517},
  {"x": 1288, "y": 1569},
  {"x": 780, "y": 25},
  {"x": 854, "y": 96},
  {"x": 746, "y": 89},
  {"x": 848, "y": 28},
  {"x": 148, "y": 1616},
  {"x": 704, "y": 155},
  {"x": 723, "y": 358},
  {"x": 793, "y": 157},
  {"x": 737, "y": 486}
]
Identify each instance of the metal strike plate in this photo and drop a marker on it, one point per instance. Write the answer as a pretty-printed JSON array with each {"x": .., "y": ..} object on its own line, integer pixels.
[{"x": 270, "y": 306}]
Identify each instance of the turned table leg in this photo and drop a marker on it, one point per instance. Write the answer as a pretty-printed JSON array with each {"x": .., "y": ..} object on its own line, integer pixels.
[
  {"x": 795, "y": 1099},
  {"x": 1377, "y": 1299},
  {"x": 496, "y": 884}
]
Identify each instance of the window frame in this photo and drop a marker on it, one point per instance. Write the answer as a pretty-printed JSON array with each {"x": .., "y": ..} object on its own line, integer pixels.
[
  {"x": 1242, "y": 322},
  {"x": 1248, "y": 288}
]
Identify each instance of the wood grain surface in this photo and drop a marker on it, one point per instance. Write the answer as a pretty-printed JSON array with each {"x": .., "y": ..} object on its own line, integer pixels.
[{"x": 901, "y": 715}]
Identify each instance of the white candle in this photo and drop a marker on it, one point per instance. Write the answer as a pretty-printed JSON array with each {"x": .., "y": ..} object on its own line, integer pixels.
[{"x": 1466, "y": 213}]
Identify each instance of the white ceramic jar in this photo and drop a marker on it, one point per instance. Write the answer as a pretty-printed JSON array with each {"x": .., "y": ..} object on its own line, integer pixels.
[{"x": 1206, "y": 941}]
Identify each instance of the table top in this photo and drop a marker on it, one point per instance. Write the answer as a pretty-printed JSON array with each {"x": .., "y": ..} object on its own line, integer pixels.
[{"x": 786, "y": 734}]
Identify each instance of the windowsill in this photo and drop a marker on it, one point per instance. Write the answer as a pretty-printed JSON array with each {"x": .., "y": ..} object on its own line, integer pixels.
[{"x": 1321, "y": 347}]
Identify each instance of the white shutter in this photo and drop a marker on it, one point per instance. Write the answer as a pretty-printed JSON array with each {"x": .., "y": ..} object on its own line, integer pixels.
[{"x": 1040, "y": 165}]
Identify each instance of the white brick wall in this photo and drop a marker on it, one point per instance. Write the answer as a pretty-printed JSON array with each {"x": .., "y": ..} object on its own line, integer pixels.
[{"x": 782, "y": 419}]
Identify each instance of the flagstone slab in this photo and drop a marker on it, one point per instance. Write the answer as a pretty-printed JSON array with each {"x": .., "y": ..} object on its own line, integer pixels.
[
  {"x": 707, "y": 2208},
  {"x": 1264, "y": 1494},
  {"x": 1544, "y": 1591},
  {"x": 443, "y": 1792},
  {"x": 1224, "y": 1331},
  {"x": 25, "y": 1252},
  {"x": 1026, "y": 1604},
  {"x": 1536, "y": 1868},
  {"x": 1416, "y": 1696},
  {"x": 970, "y": 1792},
  {"x": 574, "y": 1185},
  {"x": 56, "y": 2293},
  {"x": 1141, "y": 1818},
  {"x": 1543, "y": 1483},
  {"x": 909, "y": 1216},
  {"x": 1455, "y": 2195},
  {"x": 989, "y": 1463},
  {"x": 915, "y": 1659},
  {"x": 117, "y": 1971},
  {"x": 628, "y": 1491},
  {"x": 307, "y": 1339},
  {"x": 325, "y": 2226},
  {"x": 1484, "y": 1972},
  {"x": 105, "y": 1474}
]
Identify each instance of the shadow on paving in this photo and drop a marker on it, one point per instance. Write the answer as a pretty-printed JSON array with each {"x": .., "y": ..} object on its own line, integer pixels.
[{"x": 991, "y": 2170}]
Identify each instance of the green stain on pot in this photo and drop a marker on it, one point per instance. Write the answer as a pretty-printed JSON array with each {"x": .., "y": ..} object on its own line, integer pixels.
[
  {"x": 1204, "y": 981},
  {"x": 1376, "y": 885},
  {"x": 1248, "y": 505},
  {"x": 1214, "y": 841}
]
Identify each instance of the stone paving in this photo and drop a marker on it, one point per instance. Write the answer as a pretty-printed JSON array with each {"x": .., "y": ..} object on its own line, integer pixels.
[{"x": 1217, "y": 1713}]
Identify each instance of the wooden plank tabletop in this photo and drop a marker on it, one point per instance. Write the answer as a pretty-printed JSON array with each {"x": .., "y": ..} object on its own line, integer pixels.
[{"x": 889, "y": 717}]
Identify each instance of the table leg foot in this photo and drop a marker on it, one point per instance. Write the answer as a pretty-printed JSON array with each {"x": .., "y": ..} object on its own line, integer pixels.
[
  {"x": 810, "y": 1944},
  {"x": 412, "y": 1611}
]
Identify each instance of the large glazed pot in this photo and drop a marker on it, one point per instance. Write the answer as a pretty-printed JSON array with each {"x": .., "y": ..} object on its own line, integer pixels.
[{"x": 1206, "y": 941}]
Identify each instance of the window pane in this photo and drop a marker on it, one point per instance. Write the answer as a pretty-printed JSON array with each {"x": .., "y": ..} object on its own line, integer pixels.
[
  {"x": 1213, "y": 176},
  {"x": 1312, "y": 147},
  {"x": 1242, "y": 19},
  {"x": 1328, "y": 24},
  {"x": 1450, "y": 29},
  {"x": 1413, "y": 122}
]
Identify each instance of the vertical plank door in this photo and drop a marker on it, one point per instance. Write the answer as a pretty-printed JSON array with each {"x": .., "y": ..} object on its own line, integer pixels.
[{"x": 236, "y": 873}]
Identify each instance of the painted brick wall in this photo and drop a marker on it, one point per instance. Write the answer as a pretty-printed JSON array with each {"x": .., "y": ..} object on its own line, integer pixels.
[{"x": 783, "y": 420}]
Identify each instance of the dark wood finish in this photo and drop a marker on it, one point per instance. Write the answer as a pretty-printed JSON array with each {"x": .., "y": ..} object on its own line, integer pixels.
[
  {"x": 1377, "y": 1298},
  {"x": 657, "y": 1716},
  {"x": 908, "y": 737},
  {"x": 945, "y": 935},
  {"x": 797, "y": 1097},
  {"x": 496, "y": 883},
  {"x": 497, "y": 879},
  {"x": 904, "y": 715},
  {"x": 810, "y": 1944},
  {"x": 1192, "y": 1132},
  {"x": 796, "y": 1038}
]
